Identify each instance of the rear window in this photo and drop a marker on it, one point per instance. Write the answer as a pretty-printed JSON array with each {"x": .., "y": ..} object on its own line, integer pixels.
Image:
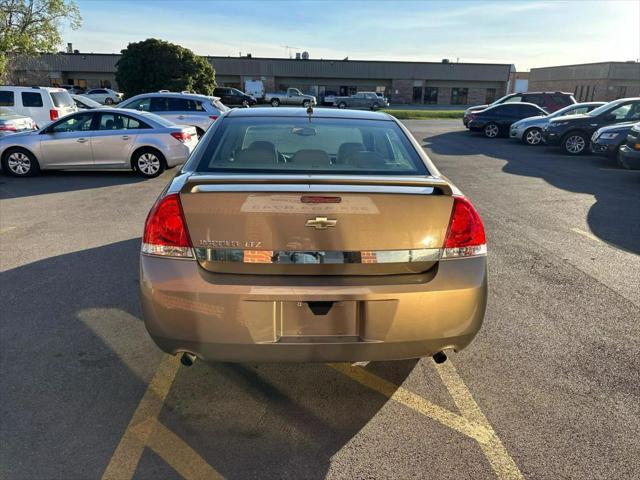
[
  {"x": 61, "y": 99},
  {"x": 324, "y": 145}
]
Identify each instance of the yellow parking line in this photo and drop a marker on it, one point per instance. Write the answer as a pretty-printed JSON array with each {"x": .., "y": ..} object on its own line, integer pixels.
[
  {"x": 587, "y": 234},
  {"x": 175, "y": 451},
  {"x": 472, "y": 423},
  {"x": 7, "y": 229},
  {"x": 502, "y": 464},
  {"x": 125, "y": 459}
]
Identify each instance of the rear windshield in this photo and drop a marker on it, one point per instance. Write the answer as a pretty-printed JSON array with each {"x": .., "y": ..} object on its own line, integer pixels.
[
  {"x": 324, "y": 145},
  {"x": 158, "y": 119},
  {"x": 61, "y": 99}
]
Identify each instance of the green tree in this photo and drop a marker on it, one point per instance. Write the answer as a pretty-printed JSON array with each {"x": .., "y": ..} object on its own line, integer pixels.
[
  {"x": 29, "y": 27},
  {"x": 153, "y": 65}
]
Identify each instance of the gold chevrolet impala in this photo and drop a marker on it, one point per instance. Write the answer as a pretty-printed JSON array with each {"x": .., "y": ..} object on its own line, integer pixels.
[{"x": 311, "y": 235}]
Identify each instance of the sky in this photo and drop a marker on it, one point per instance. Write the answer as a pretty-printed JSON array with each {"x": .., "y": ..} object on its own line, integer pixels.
[{"x": 528, "y": 34}]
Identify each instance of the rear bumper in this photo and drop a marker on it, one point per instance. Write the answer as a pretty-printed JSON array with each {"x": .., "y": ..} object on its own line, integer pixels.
[
  {"x": 177, "y": 154},
  {"x": 240, "y": 318}
]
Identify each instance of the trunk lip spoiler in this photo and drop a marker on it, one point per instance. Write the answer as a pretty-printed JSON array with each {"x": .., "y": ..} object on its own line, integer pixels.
[{"x": 192, "y": 183}]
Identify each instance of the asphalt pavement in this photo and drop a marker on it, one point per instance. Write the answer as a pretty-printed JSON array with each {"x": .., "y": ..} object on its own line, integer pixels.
[{"x": 550, "y": 388}]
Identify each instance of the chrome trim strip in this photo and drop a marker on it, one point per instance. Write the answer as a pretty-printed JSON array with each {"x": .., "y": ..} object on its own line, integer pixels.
[
  {"x": 284, "y": 257},
  {"x": 312, "y": 188}
]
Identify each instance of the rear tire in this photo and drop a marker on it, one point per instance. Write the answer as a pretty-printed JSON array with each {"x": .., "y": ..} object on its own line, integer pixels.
[
  {"x": 19, "y": 162},
  {"x": 575, "y": 143},
  {"x": 275, "y": 102},
  {"x": 148, "y": 162},
  {"x": 306, "y": 103},
  {"x": 108, "y": 101},
  {"x": 342, "y": 105},
  {"x": 491, "y": 130},
  {"x": 375, "y": 107},
  {"x": 532, "y": 136},
  {"x": 199, "y": 133}
]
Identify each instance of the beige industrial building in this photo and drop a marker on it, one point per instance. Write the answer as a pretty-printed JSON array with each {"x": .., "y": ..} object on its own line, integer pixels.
[
  {"x": 438, "y": 83},
  {"x": 603, "y": 81}
]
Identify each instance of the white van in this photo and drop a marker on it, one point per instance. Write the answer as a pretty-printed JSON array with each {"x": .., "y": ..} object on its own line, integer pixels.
[
  {"x": 42, "y": 104},
  {"x": 255, "y": 88}
]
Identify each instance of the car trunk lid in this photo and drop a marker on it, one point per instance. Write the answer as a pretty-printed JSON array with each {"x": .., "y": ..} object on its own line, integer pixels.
[{"x": 315, "y": 224}]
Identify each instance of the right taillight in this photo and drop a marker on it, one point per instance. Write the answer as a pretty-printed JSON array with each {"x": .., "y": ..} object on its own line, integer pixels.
[
  {"x": 165, "y": 231},
  {"x": 181, "y": 136},
  {"x": 465, "y": 236},
  {"x": 53, "y": 114}
]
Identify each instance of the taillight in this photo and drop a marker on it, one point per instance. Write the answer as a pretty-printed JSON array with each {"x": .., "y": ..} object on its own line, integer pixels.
[
  {"x": 213, "y": 117},
  {"x": 165, "y": 231},
  {"x": 53, "y": 114},
  {"x": 8, "y": 128},
  {"x": 465, "y": 236},
  {"x": 181, "y": 136}
]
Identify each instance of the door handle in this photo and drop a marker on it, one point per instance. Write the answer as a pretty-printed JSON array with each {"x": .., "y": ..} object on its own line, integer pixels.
[
  {"x": 180, "y": 117},
  {"x": 82, "y": 140},
  {"x": 125, "y": 137}
]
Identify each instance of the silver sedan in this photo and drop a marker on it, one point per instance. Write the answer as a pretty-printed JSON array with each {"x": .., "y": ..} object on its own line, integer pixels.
[
  {"x": 106, "y": 138},
  {"x": 529, "y": 130}
]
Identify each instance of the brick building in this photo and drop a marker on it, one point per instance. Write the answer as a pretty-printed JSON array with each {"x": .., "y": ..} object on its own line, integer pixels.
[
  {"x": 603, "y": 81},
  {"x": 438, "y": 83}
]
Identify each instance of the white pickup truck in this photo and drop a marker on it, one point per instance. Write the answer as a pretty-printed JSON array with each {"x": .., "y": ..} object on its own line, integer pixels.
[{"x": 292, "y": 96}]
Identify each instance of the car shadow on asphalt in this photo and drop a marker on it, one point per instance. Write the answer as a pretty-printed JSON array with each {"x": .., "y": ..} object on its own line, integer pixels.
[
  {"x": 76, "y": 360},
  {"x": 63, "y": 181},
  {"x": 614, "y": 217}
]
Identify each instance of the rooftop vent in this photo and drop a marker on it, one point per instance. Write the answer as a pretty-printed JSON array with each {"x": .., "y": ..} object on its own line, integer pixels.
[
  {"x": 445, "y": 60},
  {"x": 305, "y": 55}
]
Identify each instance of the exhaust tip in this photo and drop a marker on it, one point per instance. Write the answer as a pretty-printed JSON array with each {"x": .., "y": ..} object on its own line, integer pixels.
[
  {"x": 439, "y": 357},
  {"x": 187, "y": 359}
]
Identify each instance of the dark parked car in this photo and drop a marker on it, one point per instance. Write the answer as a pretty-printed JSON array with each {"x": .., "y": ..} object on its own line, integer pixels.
[
  {"x": 550, "y": 101},
  {"x": 233, "y": 96},
  {"x": 496, "y": 120},
  {"x": 607, "y": 140},
  {"x": 572, "y": 133},
  {"x": 629, "y": 153}
]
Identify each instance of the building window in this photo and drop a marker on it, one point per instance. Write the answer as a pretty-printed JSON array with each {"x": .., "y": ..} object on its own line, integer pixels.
[
  {"x": 431, "y": 95},
  {"x": 459, "y": 96},
  {"x": 417, "y": 94},
  {"x": 490, "y": 96}
]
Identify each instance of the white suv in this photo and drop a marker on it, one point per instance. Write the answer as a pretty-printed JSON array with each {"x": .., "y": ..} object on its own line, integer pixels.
[
  {"x": 185, "y": 108},
  {"x": 42, "y": 104}
]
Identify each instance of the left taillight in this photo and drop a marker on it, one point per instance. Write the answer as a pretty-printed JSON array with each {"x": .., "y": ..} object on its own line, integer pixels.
[
  {"x": 53, "y": 114},
  {"x": 165, "y": 231},
  {"x": 181, "y": 136}
]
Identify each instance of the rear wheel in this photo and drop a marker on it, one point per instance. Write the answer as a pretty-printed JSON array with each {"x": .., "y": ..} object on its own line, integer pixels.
[
  {"x": 532, "y": 136},
  {"x": 199, "y": 133},
  {"x": 575, "y": 143},
  {"x": 245, "y": 103},
  {"x": 306, "y": 103},
  {"x": 342, "y": 105},
  {"x": 491, "y": 130},
  {"x": 108, "y": 101},
  {"x": 275, "y": 102},
  {"x": 148, "y": 163},
  {"x": 375, "y": 107},
  {"x": 20, "y": 163}
]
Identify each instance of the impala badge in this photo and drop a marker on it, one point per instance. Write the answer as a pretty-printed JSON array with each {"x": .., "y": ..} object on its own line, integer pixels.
[{"x": 321, "y": 223}]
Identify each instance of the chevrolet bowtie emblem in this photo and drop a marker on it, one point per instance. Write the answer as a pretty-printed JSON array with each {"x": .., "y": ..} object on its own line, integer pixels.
[{"x": 321, "y": 223}]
